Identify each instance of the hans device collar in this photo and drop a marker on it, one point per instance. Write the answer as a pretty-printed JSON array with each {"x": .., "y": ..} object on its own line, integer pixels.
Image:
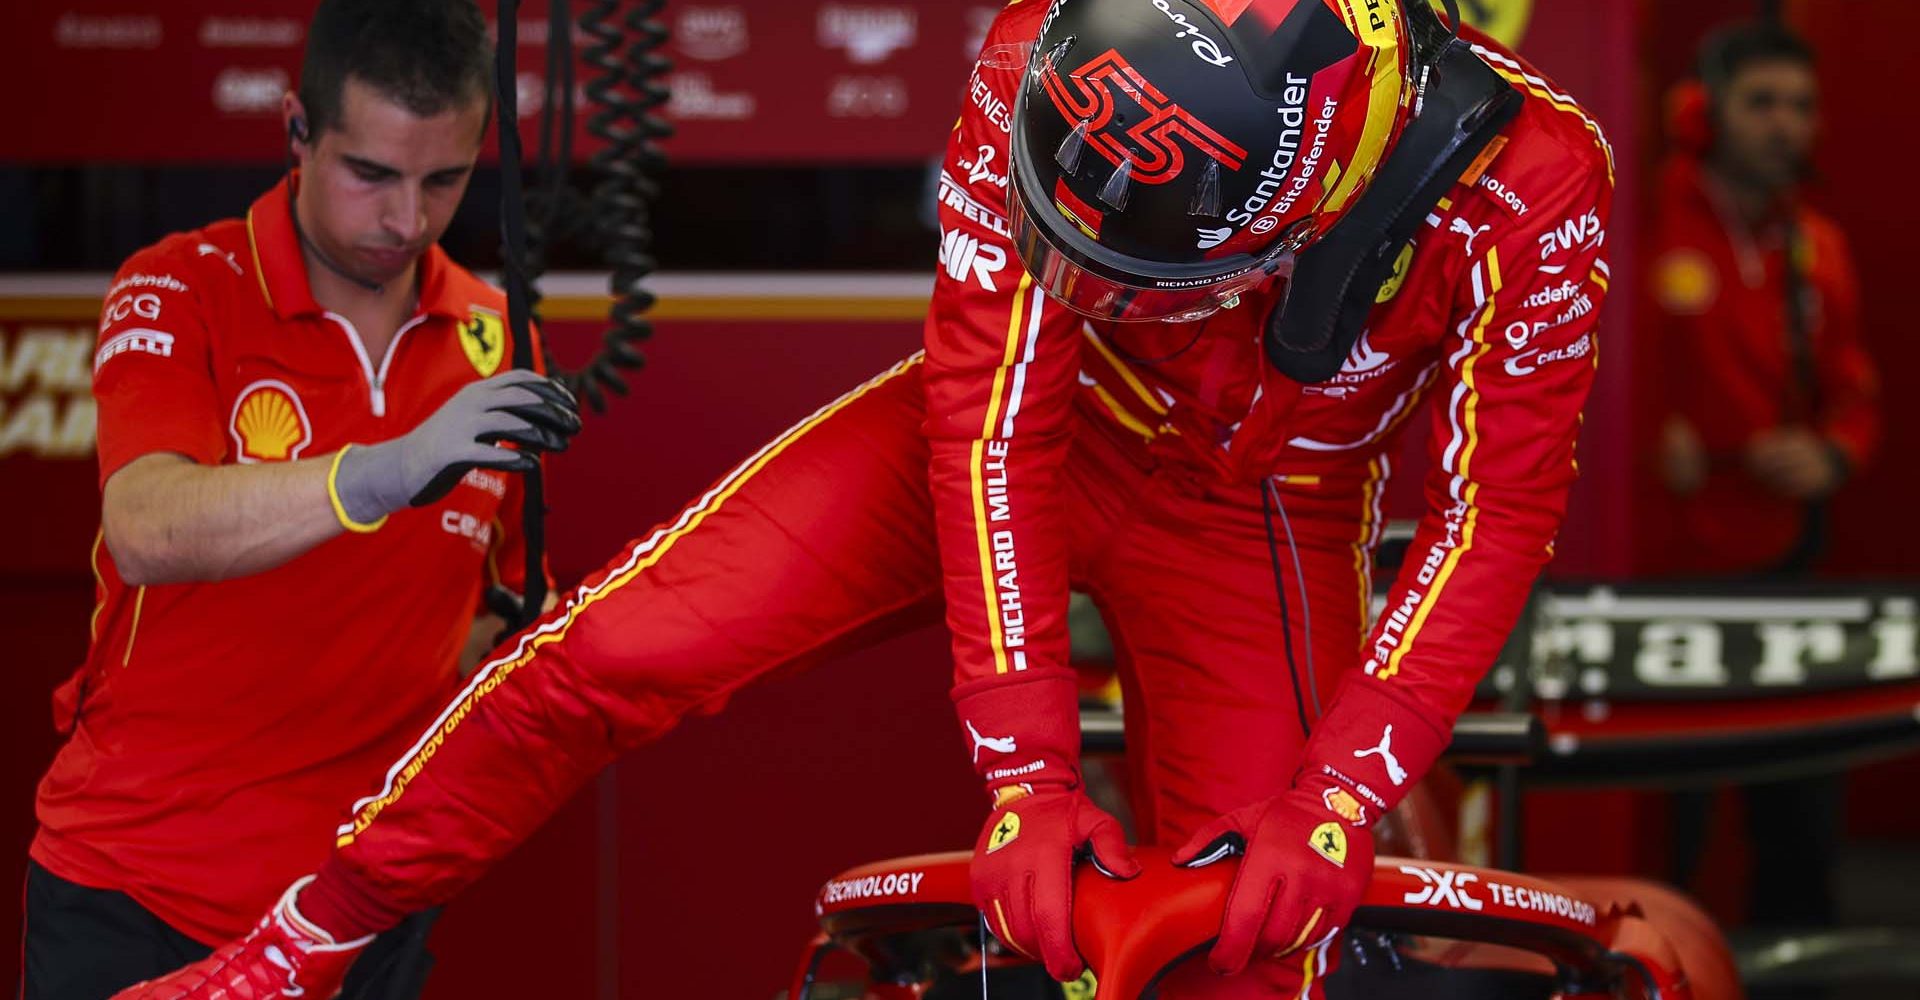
[{"x": 1463, "y": 105}]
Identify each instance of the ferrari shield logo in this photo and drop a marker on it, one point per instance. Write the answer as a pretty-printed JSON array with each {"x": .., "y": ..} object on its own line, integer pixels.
[
  {"x": 1004, "y": 832},
  {"x": 484, "y": 339},
  {"x": 1329, "y": 841},
  {"x": 1505, "y": 20},
  {"x": 1391, "y": 287}
]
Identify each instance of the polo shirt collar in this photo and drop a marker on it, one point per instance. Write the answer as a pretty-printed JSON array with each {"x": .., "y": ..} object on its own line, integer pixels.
[{"x": 281, "y": 267}]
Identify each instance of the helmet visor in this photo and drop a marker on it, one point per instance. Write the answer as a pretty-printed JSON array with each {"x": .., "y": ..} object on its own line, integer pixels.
[{"x": 1109, "y": 300}]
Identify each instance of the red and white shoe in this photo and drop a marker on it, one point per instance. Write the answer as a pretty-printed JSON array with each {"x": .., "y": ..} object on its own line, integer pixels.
[{"x": 284, "y": 956}]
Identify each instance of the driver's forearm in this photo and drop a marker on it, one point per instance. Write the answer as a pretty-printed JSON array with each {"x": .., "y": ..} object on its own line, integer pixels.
[{"x": 169, "y": 520}]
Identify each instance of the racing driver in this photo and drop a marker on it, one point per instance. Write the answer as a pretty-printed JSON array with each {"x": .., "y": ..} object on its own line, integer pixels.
[{"x": 1202, "y": 261}]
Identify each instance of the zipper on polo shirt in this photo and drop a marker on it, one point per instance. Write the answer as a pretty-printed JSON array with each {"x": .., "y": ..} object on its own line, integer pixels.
[{"x": 376, "y": 379}]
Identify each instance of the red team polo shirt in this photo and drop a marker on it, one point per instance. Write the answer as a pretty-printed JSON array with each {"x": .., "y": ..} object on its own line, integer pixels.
[
  {"x": 1721, "y": 315},
  {"x": 219, "y": 731}
]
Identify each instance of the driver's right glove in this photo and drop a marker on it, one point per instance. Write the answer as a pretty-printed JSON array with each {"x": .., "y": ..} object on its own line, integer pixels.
[{"x": 1024, "y": 737}]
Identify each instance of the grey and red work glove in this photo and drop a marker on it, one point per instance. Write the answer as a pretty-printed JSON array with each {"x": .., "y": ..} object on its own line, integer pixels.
[
  {"x": 1309, "y": 850},
  {"x": 532, "y": 413},
  {"x": 1024, "y": 737},
  {"x": 285, "y": 955}
]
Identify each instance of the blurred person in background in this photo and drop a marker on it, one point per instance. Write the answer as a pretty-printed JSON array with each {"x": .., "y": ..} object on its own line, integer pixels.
[
  {"x": 1772, "y": 400},
  {"x": 275, "y": 621}
]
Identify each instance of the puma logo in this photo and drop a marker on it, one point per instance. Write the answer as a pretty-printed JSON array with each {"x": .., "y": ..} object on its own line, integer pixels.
[
  {"x": 1395, "y": 773},
  {"x": 1460, "y": 226},
  {"x": 998, "y": 744}
]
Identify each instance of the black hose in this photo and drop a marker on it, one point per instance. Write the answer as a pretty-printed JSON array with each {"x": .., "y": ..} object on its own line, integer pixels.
[{"x": 513, "y": 232}]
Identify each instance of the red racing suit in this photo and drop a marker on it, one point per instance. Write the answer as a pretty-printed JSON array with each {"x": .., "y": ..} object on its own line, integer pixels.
[{"x": 1026, "y": 450}]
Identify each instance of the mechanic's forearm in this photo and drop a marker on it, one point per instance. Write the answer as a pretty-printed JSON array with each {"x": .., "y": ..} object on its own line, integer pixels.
[{"x": 170, "y": 520}]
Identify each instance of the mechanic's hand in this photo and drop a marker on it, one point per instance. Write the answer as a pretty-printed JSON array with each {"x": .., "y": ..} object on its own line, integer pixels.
[
  {"x": 1683, "y": 459},
  {"x": 1304, "y": 872},
  {"x": 522, "y": 408},
  {"x": 1794, "y": 462},
  {"x": 1023, "y": 870}
]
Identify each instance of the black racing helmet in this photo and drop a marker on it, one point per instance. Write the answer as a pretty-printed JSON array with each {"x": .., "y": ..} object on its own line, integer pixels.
[{"x": 1171, "y": 154}]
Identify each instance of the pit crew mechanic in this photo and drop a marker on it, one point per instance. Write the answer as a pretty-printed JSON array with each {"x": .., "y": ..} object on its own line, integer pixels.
[
  {"x": 1769, "y": 398},
  {"x": 1147, "y": 160},
  {"x": 273, "y": 619}
]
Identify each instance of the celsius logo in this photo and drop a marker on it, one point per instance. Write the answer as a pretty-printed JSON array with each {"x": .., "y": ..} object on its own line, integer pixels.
[
  {"x": 1206, "y": 49},
  {"x": 1210, "y": 238}
]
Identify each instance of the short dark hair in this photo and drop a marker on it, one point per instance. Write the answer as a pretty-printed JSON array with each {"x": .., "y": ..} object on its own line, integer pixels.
[
  {"x": 1735, "y": 47},
  {"x": 426, "y": 55}
]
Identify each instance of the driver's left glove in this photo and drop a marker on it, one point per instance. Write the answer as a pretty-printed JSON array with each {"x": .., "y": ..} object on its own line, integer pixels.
[{"x": 1309, "y": 850}]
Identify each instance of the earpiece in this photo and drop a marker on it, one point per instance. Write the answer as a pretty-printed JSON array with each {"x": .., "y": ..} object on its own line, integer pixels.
[
  {"x": 1689, "y": 115},
  {"x": 297, "y": 129},
  {"x": 1690, "y": 112}
]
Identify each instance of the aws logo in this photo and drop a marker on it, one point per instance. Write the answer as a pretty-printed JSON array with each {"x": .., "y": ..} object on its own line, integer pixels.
[
  {"x": 269, "y": 423},
  {"x": 1505, "y": 20},
  {"x": 483, "y": 338}
]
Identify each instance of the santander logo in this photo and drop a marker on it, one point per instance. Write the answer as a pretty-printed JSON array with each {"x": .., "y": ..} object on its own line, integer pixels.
[{"x": 1364, "y": 358}]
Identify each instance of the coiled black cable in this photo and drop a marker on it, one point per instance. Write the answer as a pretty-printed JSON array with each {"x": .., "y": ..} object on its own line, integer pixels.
[{"x": 627, "y": 86}]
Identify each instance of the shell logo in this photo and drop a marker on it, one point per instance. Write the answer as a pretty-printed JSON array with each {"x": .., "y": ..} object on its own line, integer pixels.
[
  {"x": 269, "y": 423},
  {"x": 1685, "y": 282},
  {"x": 1345, "y": 806}
]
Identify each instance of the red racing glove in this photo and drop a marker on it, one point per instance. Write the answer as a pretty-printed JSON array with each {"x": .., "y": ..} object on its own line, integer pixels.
[
  {"x": 285, "y": 955},
  {"x": 1309, "y": 850},
  {"x": 1024, "y": 737}
]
